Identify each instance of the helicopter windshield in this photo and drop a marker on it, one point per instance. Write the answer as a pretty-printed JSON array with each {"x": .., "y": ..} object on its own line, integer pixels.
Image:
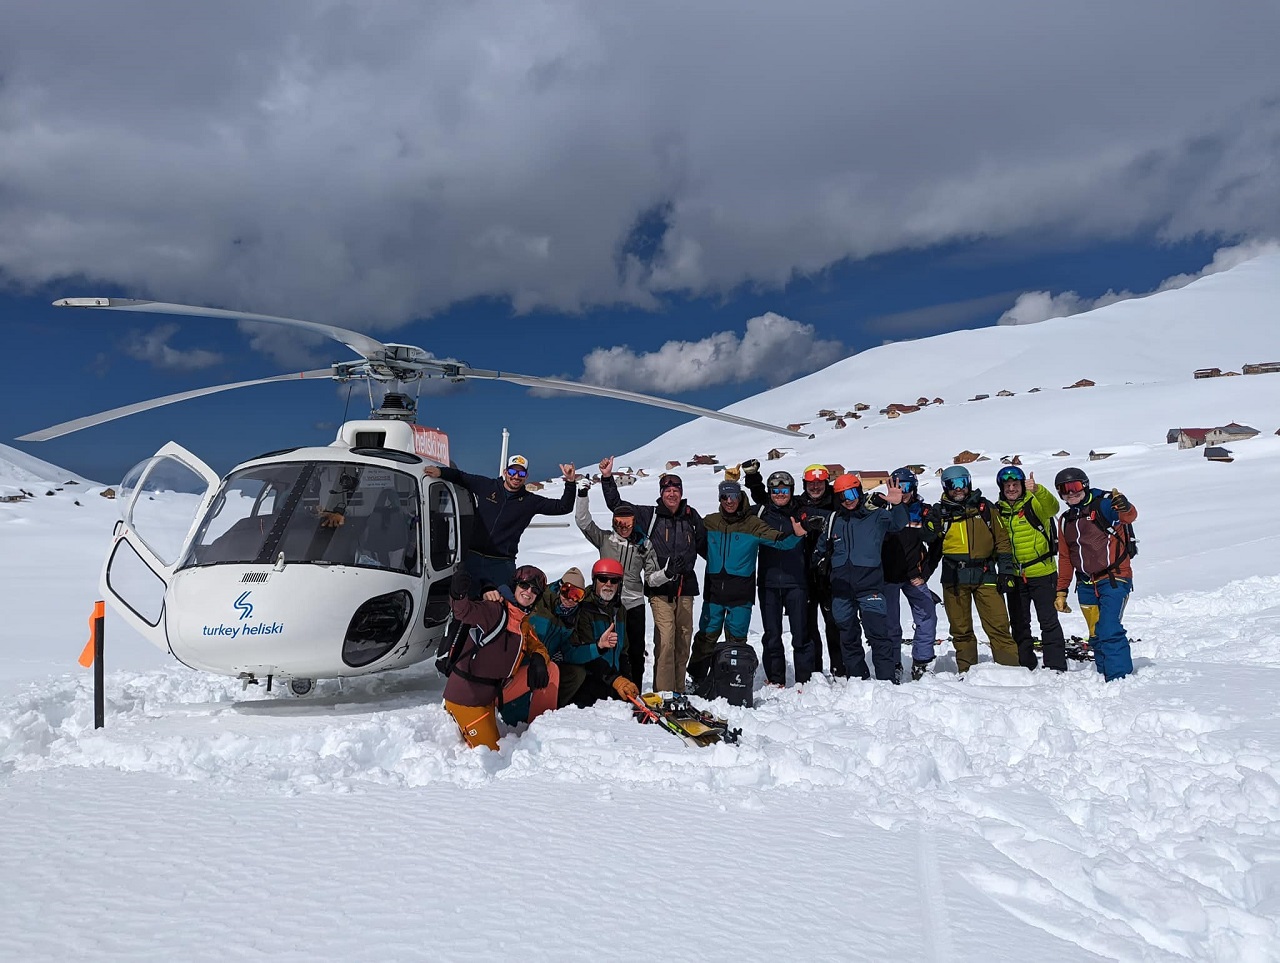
[{"x": 337, "y": 513}]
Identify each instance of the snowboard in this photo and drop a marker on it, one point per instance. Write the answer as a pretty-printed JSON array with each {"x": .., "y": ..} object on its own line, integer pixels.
[{"x": 680, "y": 717}]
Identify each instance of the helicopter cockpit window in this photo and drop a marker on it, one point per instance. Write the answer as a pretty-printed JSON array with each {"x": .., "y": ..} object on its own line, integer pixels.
[
  {"x": 313, "y": 513},
  {"x": 443, "y": 526}
]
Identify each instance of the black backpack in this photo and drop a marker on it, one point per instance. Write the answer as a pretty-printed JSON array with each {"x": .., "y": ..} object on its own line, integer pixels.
[{"x": 733, "y": 673}]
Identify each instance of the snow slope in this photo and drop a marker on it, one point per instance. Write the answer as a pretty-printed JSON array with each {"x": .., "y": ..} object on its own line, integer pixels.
[
  {"x": 18, "y": 470},
  {"x": 1006, "y": 816}
]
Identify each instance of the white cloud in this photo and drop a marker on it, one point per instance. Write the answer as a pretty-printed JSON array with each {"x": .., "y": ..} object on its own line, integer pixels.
[
  {"x": 773, "y": 349},
  {"x": 372, "y": 163},
  {"x": 1033, "y": 307},
  {"x": 153, "y": 347}
]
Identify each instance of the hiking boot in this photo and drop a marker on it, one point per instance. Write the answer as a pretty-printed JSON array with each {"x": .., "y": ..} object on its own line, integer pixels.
[{"x": 918, "y": 667}]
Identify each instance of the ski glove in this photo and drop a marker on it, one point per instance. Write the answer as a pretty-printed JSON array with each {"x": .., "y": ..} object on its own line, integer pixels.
[
  {"x": 813, "y": 524},
  {"x": 751, "y": 466},
  {"x": 1060, "y": 602},
  {"x": 625, "y": 688},
  {"x": 536, "y": 669},
  {"x": 1006, "y": 584},
  {"x": 460, "y": 584},
  {"x": 1119, "y": 502}
]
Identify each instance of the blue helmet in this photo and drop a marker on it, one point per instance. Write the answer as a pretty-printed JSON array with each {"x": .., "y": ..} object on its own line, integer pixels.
[
  {"x": 1011, "y": 473},
  {"x": 906, "y": 479},
  {"x": 957, "y": 476}
]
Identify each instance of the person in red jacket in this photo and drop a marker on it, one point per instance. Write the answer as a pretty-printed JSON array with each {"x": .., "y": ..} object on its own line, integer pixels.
[{"x": 1096, "y": 543}]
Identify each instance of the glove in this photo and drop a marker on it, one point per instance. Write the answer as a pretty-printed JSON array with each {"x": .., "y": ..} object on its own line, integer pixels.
[
  {"x": 733, "y": 473},
  {"x": 1060, "y": 602},
  {"x": 1119, "y": 502},
  {"x": 814, "y": 524},
  {"x": 584, "y": 490},
  {"x": 1006, "y": 584},
  {"x": 460, "y": 584},
  {"x": 536, "y": 669},
  {"x": 625, "y": 688},
  {"x": 751, "y": 466},
  {"x": 877, "y": 500}
]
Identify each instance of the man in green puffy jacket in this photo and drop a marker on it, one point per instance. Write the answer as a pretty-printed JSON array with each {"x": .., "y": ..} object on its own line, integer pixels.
[{"x": 1027, "y": 510}]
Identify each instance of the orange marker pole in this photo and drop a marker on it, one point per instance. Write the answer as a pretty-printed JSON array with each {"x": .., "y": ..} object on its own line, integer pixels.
[{"x": 92, "y": 656}]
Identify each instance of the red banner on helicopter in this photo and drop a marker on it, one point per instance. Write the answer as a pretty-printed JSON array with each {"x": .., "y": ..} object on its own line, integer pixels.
[{"x": 431, "y": 443}]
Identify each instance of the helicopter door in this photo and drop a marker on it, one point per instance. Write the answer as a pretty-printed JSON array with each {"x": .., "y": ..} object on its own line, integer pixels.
[
  {"x": 448, "y": 523},
  {"x": 160, "y": 502}
]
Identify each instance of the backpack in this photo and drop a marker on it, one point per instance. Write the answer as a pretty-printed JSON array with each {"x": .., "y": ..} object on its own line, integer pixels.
[
  {"x": 733, "y": 674},
  {"x": 456, "y": 637},
  {"x": 1120, "y": 530}
]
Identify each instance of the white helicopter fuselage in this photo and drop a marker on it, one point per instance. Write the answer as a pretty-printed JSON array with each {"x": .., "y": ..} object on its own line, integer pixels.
[{"x": 308, "y": 563}]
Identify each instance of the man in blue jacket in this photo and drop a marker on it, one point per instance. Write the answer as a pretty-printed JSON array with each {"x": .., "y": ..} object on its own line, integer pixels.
[
  {"x": 504, "y": 509},
  {"x": 852, "y": 545}
]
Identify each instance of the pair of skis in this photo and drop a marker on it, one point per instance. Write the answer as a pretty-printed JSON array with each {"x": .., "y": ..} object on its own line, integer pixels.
[{"x": 680, "y": 717}]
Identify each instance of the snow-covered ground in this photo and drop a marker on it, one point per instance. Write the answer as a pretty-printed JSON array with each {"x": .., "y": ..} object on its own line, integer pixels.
[{"x": 1007, "y": 816}]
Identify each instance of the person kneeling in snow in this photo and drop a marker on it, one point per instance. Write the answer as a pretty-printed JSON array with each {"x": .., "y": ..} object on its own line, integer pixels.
[
  {"x": 553, "y": 622},
  {"x": 1096, "y": 542},
  {"x": 496, "y": 661},
  {"x": 595, "y": 661}
]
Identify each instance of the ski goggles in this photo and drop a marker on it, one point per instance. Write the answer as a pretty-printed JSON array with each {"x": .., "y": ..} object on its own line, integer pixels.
[
  {"x": 571, "y": 593},
  {"x": 1071, "y": 488},
  {"x": 780, "y": 491},
  {"x": 514, "y": 472},
  {"x": 1006, "y": 475},
  {"x": 609, "y": 579},
  {"x": 955, "y": 484},
  {"x": 907, "y": 486},
  {"x": 851, "y": 494}
]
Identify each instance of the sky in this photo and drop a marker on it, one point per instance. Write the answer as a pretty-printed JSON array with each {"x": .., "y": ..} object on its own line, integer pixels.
[{"x": 697, "y": 201}]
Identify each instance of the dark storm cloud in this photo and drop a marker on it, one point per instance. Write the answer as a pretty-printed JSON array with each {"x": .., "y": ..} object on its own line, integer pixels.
[{"x": 369, "y": 163}]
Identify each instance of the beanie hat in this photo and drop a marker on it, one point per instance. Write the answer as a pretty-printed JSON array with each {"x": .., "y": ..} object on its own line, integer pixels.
[
  {"x": 574, "y": 577},
  {"x": 730, "y": 489}
]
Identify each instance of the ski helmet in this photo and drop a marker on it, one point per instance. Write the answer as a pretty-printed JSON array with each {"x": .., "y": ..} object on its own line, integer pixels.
[
  {"x": 956, "y": 476},
  {"x": 816, "y": 473},
  {"x": 782, "y": 479},
  {"x": 532, "y": 575},
  {"x": 1070, "y": 475},
  {"x": 1011, "y": 473},
  {"x": 847, "y": 482},
  {"x": 906, "y": 479},
  {"x": 607, "y": 566}
]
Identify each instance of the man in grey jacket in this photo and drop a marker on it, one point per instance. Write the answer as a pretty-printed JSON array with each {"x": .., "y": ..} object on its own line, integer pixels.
[{"x": 629, "y": 548}]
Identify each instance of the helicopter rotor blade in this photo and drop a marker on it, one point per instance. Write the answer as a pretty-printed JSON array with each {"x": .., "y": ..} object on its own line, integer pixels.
[
  {"x": 577, "y": 387},
  {"x": 67, "y": 427},
  {"x": 361, "y": 344}
]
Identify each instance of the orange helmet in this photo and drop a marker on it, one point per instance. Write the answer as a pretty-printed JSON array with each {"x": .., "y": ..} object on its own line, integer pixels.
[
  {"x": 847, "y": 481},
  {"x": 816, "y": 473}
]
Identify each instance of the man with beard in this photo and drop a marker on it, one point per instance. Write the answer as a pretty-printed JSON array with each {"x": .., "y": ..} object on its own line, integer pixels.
[{"x": 593, "y": 662}]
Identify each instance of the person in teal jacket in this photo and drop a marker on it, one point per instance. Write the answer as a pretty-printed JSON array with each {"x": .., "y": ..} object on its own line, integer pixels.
[
  {"x": 1026, "y": 511},
  {"x": 734, "y": 537}
]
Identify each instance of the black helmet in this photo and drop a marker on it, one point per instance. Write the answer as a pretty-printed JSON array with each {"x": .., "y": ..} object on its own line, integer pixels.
[
  {"x": 1070, "y": 475},
  {"x": 781, "y": 479}
]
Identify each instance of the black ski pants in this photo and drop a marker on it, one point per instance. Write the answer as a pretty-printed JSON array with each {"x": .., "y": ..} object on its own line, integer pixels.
[
  {"x": 633, "y": 657},
  {"x": 774, "y": 602},
  {"x": 819, "y": 601},
  {"x": 1038, "y": 591}
]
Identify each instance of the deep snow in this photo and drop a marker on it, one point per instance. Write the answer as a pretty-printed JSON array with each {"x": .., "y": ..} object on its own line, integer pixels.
[{"x": 1006, "y": 816}]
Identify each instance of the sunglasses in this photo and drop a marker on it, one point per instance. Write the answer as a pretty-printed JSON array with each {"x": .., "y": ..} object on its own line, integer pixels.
[
  {"x": 955, "y": 484},
  {"x": 779, "y": 491},
  {"x": 1071, "y": 488},
  {"x": 609, "y": 579},
  {"x": 572, "y": 593},
  {"x": 527, "y": 585},
  {"x": 729, "y": 498},
  {"x": 851, "y": 494},
  {"x": 518, "y": 472}
]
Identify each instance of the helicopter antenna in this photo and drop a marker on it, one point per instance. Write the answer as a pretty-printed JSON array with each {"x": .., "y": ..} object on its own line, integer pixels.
[
  {"x": 397, "y": 364},
  {"x": 347, "y": 406}
]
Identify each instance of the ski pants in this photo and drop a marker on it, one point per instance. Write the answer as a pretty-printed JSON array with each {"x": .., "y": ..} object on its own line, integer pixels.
[
  {"x": 959, "y": 602},
  {"x": 774, "y": 602},
  {"x": 672, "y": 630},
  {"x": 871, "y": 610},
  {"x": 633, "y": 655},
  {"x": 486, "y": 571},
  {"x": 924, "y": 616},
  {"x": 1111, "y": 652},
  {"x": 1039, "y": 591},
  {"x": 479, "y": 724},
  {"x": 732, "y": 620},
  {"x": 820, "y": 602}
]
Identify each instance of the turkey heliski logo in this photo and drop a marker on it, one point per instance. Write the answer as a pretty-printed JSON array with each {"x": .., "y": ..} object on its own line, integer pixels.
[{"x": 243, "y": 606}]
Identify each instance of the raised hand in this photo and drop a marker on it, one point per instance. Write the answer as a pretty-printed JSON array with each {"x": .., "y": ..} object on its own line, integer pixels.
[
  {"x": 798, "y": 527},
  {"x": 751, "y": 466},
  {"x": 1031, "y": 482},
  {"x": 606, "y": 466},
  {"x": 609, "y": 638},
  {"x": 893, "y": 492},
  {"x": 568, "y": 472},
  {"x": 1118, "y": 501}
]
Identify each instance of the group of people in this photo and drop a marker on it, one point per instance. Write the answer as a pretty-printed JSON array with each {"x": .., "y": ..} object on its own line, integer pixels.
[{"x": 828, "y": 557}]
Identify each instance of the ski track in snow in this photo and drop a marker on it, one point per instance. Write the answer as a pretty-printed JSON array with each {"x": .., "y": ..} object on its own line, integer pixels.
[{"x": 1141, "y": 812}]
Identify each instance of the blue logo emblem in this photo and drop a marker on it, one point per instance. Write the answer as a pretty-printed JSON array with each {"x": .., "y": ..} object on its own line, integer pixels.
[{"x": 244, "y": 606}]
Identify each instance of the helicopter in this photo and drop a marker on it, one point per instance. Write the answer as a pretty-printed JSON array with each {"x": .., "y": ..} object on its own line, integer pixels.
[{"x": 254, "y": 575}]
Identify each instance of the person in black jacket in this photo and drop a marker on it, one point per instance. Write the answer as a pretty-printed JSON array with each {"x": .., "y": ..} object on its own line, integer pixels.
[
  {"x": 783, "y": 575},
  {"x": 910, "y": 557},
  {"x": 504, "y": 509},
  {"x": 676, "y": 535},
  {"x": 818, "y": 496}
]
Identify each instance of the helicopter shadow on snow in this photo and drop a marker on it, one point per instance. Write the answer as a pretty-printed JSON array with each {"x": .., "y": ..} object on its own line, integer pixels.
[{"x": 352, "y": 697}]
